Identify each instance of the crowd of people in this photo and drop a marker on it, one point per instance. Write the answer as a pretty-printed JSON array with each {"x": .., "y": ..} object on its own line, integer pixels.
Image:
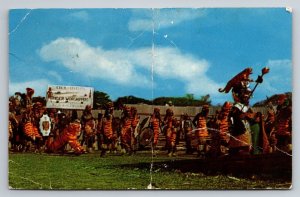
[{"x": 234, "y": 129}]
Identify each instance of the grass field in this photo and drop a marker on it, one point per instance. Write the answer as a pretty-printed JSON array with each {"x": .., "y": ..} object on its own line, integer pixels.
[{"x": 89, "y": 171}]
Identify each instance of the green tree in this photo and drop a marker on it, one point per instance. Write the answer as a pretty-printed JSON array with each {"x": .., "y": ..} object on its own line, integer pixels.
[
  {"x": 205, "y": 100},
  {"x": 190, "y": 96},
  {"x": 131, "y": 100},
  {"x": 100, "y": 99},
  {"x": 187, "y": 100}
]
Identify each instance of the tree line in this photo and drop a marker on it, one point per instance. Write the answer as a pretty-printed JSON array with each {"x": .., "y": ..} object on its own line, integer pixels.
[{"x": 101, "y": 98}]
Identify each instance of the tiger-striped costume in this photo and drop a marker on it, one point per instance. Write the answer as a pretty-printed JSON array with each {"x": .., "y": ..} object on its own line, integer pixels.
[
  {"x": 107, "y": 127},
  {"x": 155, "y": 123},
  {"x": 88, "y": 126},
  {"x": 31, "y": 131},
  {"x": 220, "y": 137},
  {"x": 99, "y": 130},
  {"x": 108, "y": 134},
  {"x": 283, "y": 119},
  {"x": 69, "y": 135},
  {"x": 240, "y": 141},
  {"x": 135, "y": 119},
  {"x": 283, "y": 123},
  {"x": 223, "y": 122},
  {"x": 242, "y": 76},
  {"x": 89, "y": 134},
  {"x": 126, "y": 131},
  {"x": 170, "y": 131},
  {"x": 202, "y": 127},
  {"x": 200, "y": 122}
]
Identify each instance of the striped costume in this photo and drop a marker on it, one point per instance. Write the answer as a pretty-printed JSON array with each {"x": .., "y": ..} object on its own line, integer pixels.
[
  {"x": 220, "y": 137},
  {"x": 107, "y": 128},
  {"x": 126, "y": 133},
  {"x": 283, "y": 123},
  {"x": 31, "y": 131},
  {"x": 240, "y": 140},
  {"x": 171, "y": 132},
  {"x": 223, "y": 122},
  {"x": 108, "y": 134},
  {"x": 69, "y": 135},
  {"x": 155, "y": 122},
  {"x": 135, "y": 119},
  {"x": 202, "y": 130}
]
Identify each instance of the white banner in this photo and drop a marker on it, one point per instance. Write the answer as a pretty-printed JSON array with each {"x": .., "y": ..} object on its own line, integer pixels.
[{"x": 69, "y": 97}]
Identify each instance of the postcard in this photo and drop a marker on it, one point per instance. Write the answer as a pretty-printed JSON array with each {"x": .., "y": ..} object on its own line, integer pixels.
[{"x": 169, "y": 99}]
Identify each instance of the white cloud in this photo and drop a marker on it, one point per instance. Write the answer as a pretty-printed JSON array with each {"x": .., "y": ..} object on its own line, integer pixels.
[
  {"x": 39, "y": 87},
  {"x": 162, "y": 18},
  {"x": 80, "y": 15},
  {"x": 131, "y": 67},
  {"x": 92, "y": 62}
]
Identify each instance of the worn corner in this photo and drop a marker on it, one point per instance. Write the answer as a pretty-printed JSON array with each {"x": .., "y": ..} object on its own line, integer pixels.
[{"x": 289, "y": 9}]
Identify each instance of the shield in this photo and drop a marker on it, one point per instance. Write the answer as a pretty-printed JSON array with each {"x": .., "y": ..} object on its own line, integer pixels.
[
  {"x": 136, "y": 130},
  {"x": 45, "y": 125},
  {"x": 145, "y": 122},
  {"x": 146, "y": 137}
]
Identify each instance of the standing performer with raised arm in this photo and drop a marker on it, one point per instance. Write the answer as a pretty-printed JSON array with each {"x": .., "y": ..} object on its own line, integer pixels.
[{"x": 240, "y": 115}]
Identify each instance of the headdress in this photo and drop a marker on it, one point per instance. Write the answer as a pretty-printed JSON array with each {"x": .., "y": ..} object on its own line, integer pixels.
[
  {"x": 237, "y": 79},
  {"x": 30, "y": 91}
]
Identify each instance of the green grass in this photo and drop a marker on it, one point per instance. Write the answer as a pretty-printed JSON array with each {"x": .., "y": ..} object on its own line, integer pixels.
[{"x": 89, "y": 171}]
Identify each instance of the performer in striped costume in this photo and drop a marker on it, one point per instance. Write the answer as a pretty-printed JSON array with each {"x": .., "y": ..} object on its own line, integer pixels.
[
  {"x": 187, "y": 127},
  {"x": 270, "y": 130},
  {"x": 107, "y": 129},
  {"x": 200, "y": 122},
  {"x": 135, "y": 119},
  {"x": 89, "y": 126},
  {"x": 283, "y": 123},
  {"x": 99, "y": 130},
  {"x": 241, "y": 114},
  {"x": 13, "y": 130},
  {"x": 126, "y": 130},
  {"x": 223, "y": 123},
  {"x": 220, "y": 137},
  {"x": 240, "y": 117},
  {"x": 31, "y": 132},
  {"x": 171, "y": 132},
  {"x": 69, "y": 135},
  {"x": 155, "y": 124}
]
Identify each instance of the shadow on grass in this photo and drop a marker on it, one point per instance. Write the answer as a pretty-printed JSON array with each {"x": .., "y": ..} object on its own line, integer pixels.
[{"x": 263, "y": 167}]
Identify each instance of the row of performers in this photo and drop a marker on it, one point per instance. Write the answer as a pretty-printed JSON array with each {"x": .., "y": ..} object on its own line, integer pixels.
[{"x": 233, "y": 128}]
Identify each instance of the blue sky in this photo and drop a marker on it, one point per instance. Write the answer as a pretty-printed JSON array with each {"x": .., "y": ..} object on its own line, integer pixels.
[{"x": 120, "y": 51}]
